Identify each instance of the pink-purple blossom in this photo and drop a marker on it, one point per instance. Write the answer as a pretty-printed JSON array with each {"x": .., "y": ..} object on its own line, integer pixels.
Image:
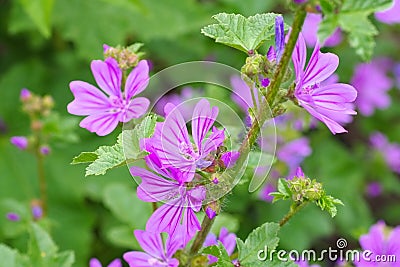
[
  {"x": 155, "y": 254},
  {"x": 107, "y": 106},
  {"x": 96, "y": 263},
  {"x": 372, "y": 85},
  {"x": 21, "y": 142},
  {"x": 229, "y": 158},
  {"x": 310, "y": 31},
  {"x": 293, "y": 153},
  {"x": 380, "y": 243},
  {"x": 25, "y": 94},
  {"x": 389, "y": 151},
  {"x": 226, "y": 238},
  {"x": 173, "y": 146},
  {"x": 169, "y": 185},
  {"x": 275, "y": 54},
  {"x": 390, "y": 15},
  {"x": 12, "y": 216},
  {"x": 327, "y": 103},
  {"x": 242, "y": 94},
  {"x": 374, "y": 189}
]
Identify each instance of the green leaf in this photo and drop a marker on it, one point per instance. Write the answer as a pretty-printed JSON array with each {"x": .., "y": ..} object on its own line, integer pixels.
[
  {"x": 126, "y": 149},
  {"x": 240, "y": 32},
  {"x": 262, "y": 237},
  {"x": 85, "y": 157},
  {"x": 369, "y": 6},
  {"x": 329, "y": 204},
  {"x": 39, "y": 11},
  {"x": 12, "y": 258},
  {"x": 220, "y": 252},
  {"x": 126, "y": 206},
  {"x": 353, "y": 19},
  {"x": 122, "y": 236},
  {"x": 43, "y": 251}
]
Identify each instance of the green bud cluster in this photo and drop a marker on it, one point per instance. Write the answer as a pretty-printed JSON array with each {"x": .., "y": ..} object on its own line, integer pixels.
[
  {"x": 305, "y": 189},
  {"x": 127, "y": 57}
]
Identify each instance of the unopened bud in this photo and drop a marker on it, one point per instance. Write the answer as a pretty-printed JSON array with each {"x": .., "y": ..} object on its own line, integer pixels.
[
  {"x": 36, "y": 125},
  {"x": 25, "y": 95},
  {"x": 47, "y": 102}
]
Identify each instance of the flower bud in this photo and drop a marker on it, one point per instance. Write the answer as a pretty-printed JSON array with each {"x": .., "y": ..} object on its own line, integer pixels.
[
  {"x": 44, "y": 150},
  {"x": 213, "y": 209},
  {"x": 47, "y": 102},
  {"x": 25, "y": 95},
  {"x": 12, "y": 216},
  {"x": 20, "y": 142}
]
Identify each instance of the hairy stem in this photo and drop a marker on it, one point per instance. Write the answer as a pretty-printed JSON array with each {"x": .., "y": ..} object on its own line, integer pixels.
[
  {"x": 275, "y": 83},
  {"x": 42, "y": 180},
  {"x": 293, "y": 210},
  {"x": 297, "y": 25},
  {"x": 201, "y": 236}
]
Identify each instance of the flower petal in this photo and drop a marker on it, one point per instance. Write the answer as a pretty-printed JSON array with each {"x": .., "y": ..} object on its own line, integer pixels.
[
  {"x": 137, "y": 80},
  {"x": 203, "y": 118},
  {"x": 108, "y": 76},
  {"x": 190, "y": 225},
  {"x": 228, "y": 240},
  {"x": 101, "y": 124},
  {"x": 88, "y": 99},
  {"x": 94, "y": 263},
  {"x": 154, "y": 188},
  {"x": 115, "y": 263},
  {"x": 196, "y": 197},
  {"x": 167, "y": 217},
  {"x": 213, "y": 141},
  {"x": 320, "y": 67},
  {"x": 299, "y": 57},
  {"x": 151, "y": 243},
  {"x": 137, "y": 259},
  {"x": 137, "y": 108}
]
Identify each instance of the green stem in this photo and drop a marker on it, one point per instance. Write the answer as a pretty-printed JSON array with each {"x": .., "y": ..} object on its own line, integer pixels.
[
  {"x": 42, "y": 180},
  {"x": 275, "y": 84},
  {"x": 297, "y": 25},
  {"x": 293, "y": 210},
  {"x": 201, "y": 236}
]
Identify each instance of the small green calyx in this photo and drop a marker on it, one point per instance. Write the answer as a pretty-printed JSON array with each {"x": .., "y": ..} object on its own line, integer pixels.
[
  {"x": 304, "y": 189},
  {"x": 254, "y": 66},
  {"x": 127, "y": 57}
]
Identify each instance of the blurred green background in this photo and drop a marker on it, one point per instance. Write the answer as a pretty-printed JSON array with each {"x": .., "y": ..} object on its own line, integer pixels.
[{"x": 45, "y": 44}]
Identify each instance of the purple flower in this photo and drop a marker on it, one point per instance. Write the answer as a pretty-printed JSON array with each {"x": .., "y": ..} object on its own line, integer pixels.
[
  {"x": 229, "y": 158},
  {"x": 96, "y": 263},
  {"x": 327, "y": 103},
  {"x": 156, "y": 254},
  {"x": 12, "y": 216},
  {"x": 106, "y": 107},
  {"x": 390, "y": 15},
  {"x": 372, "y": 84},
  {"x": 273, "y": 55},
  {"x": 265, "y": 192},
  {"x": 210, "y": 213},
  {"x": 171, "y": 141},
  {"x": 20, "y": 142},
  {"x": 25, "y": 94},
  {"x": 45, "y": 150},
  {"x": 379, "y": 242},
  {"x": 390, "y": 151},
  {"x": 182, "y": 101},
  {"x": 37, "y": 212},
  {"x": 227, "y": 239},
  {"x": 242, "y": 94},
  {"x": 169, "y": 185},
  {"x": 293, "y": 153},
  {"x": 310, "y": 29},
  {"x": 374, "y": 189}
]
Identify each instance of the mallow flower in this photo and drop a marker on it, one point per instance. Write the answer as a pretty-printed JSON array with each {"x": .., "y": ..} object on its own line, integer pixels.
[
  {"x": 107, "y": 106},
  {"x": 96, "y": 263},
  {"x": 390, "y": 15},
  {"x": 275, "y": 54},
  {"x": 155, "y": 254},
  {"x": 21, "y": 142},
  {"x": 169, "y": 185},
  {"x": 173, "y": 146},
  {"x": 389, "y": 151},
  {"x": 328, "y": 103},
  {"x": 380, "y": 243},
  {"x": 373, "y": 85},
  {"x": 227, "y": 239},
  {"x": 310, "y": 31}
]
